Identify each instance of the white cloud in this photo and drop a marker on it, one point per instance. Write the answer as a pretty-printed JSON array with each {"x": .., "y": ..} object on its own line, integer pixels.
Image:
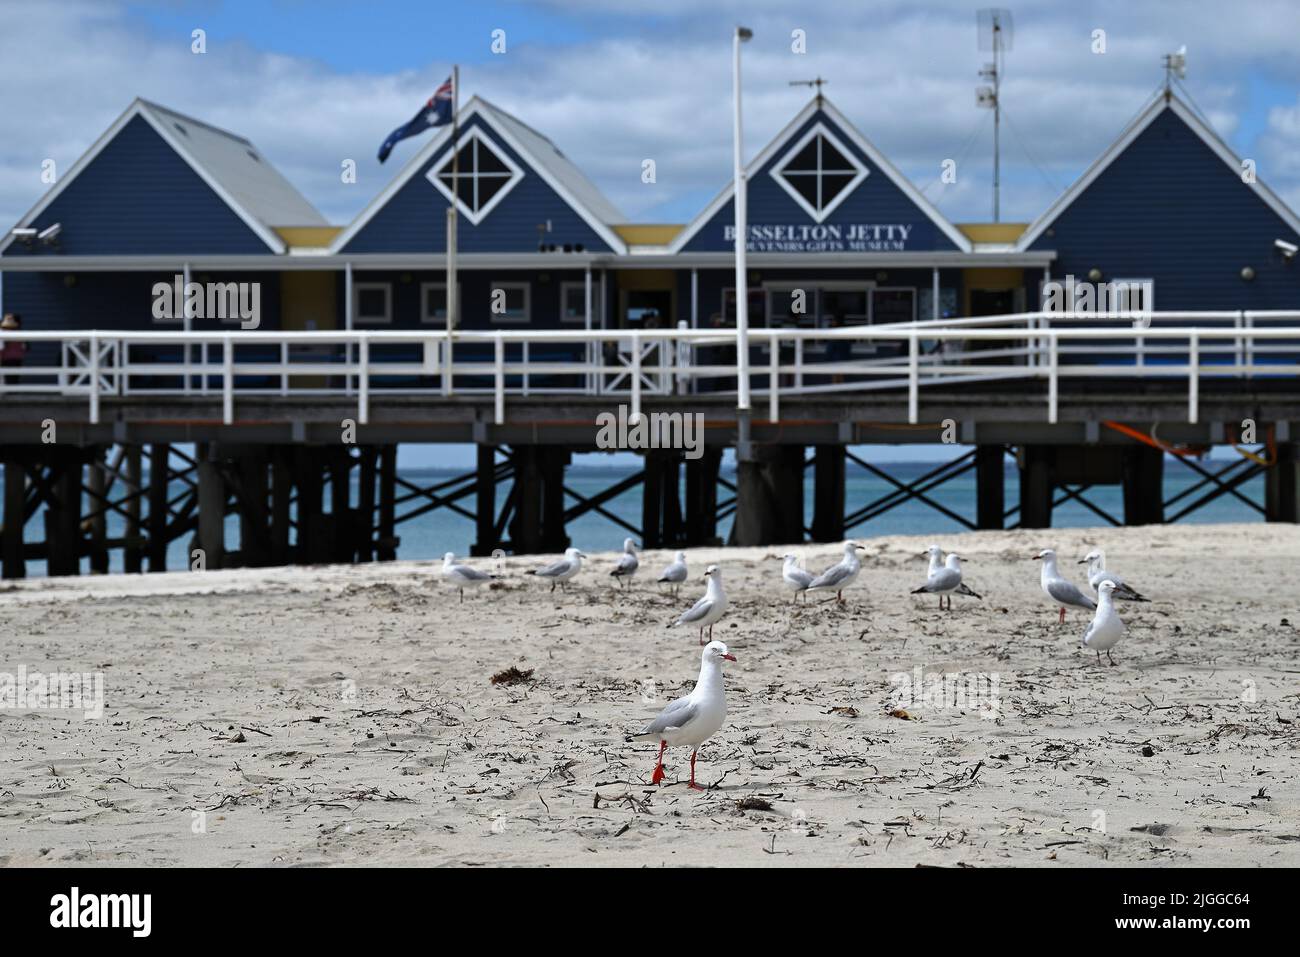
[{"x": 656, "y": 83}]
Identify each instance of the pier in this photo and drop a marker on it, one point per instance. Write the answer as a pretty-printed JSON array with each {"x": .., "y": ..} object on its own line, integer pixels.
[{"x": 296, "y": 433}]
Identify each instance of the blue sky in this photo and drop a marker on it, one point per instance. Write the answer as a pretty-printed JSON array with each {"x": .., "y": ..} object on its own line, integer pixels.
[{"x": 615, "y": 83}]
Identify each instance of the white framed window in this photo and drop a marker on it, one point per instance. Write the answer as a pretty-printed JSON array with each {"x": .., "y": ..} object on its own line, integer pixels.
[
  {"x": 482, "y": 179},
  {"x": 573, "y": 303},
  {"x": 819, "y": 172},
  {"x": 433, "y": 302},
  {"x": 514, "y": 296},
  {"x": 372, "y": 302}
]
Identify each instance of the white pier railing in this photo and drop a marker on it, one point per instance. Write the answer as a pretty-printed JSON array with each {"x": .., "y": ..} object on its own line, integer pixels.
[{"x": 629, "y": 364}]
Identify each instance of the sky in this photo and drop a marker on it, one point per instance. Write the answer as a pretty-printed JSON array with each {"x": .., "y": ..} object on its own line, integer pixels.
[{"x": 613, "y": 84}]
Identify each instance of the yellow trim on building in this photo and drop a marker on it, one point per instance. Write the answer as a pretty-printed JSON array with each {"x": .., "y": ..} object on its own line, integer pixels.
[
  {"x": 308, "y": 237},
  {"x": 639, "y": 234},
  {"x": 992, "y": 232}
]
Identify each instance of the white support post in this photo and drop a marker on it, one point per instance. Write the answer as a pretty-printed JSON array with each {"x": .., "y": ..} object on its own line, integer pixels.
[
  {"x": 363, "y": 380},
  {"x": 773, "y": 379},
  {"x": 185, "y": 322},
  {"x": 227, "y": 379},
  {"x": 913, "y": 378},
  {"x": 1052, "y": 382},
  {"x": 798, "y": 363},
  {"x": 589, "y": 347},
  {"x": 1248, "y": 322},
  {"x": 284, "y": 368},
  {"x": 499, "y": 379},
  {"x": 1193, "y": 377},
  {"x": 347, "y": 324},
  {"x": 934, "y": 309},
  {"x": 635, "y": 417},
  {"x": 94, "y": 379}
]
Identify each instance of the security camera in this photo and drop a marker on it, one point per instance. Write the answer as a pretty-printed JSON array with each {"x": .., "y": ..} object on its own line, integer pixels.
[
  {"x": 50, "y": 233},
  {"x": 1288, "y": 250}
]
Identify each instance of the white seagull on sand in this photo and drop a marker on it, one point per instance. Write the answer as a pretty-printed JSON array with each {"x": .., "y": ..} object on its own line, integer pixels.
[
  {"x": 1096, "y": 562},
  {"x": 706, "y": 612},
  {"x": 840, "y": 575},
  {"x": 1054, "y": 585},
  {"x": 557, "y": 573},
  {"x": 627, "y": 563},
  {"x": 945, "y": 580},
  {"x": 796, "y": 578},
  {"x": 462, "y": 576},
  {"x": 676, "y": 572},
  {"x": 1106, "y": 627},
  {"x": 694, "y": 719}
]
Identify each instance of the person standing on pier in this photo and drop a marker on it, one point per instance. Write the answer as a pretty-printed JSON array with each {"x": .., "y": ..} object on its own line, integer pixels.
[{"x": 14, "y": 351}]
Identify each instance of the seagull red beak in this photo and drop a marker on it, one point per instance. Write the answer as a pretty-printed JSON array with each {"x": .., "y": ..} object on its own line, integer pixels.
[{"x": 729, "y": 657}]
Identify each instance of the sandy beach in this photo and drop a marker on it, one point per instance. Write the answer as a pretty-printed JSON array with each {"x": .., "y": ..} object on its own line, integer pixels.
[{"x": 346, "y": 715}]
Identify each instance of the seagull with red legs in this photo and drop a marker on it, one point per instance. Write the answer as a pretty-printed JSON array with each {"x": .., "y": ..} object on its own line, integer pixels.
[
  {"x": 706, "y": 612},
  {"x": 694, "y": 719},
  {"x": 1056, "y": 587}
]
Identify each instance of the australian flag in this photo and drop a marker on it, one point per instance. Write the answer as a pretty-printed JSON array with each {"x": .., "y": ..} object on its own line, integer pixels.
[{"x": 437, "y": 112}]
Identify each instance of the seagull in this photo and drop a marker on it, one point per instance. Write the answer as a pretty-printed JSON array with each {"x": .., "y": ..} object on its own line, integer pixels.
[
  {"x": 628, "y": 563},
  {"x": 462, "y": 576},
  {"x": 1064, "y": 593},
  {"x": 706, "y": 612},
  {"x": 945, "y": 580},
  {"x": 1106, "y": 627},
  {"x": 694, "y": 719},
  {"x": 1096, "y": 562},
  {"x": 936, "y": 559},
  {"x": 675, "y": 573},
  {"x": 840, "y": 575},
  {"x": 796, "y": 578},
  {"x": 560, "y": 572}
]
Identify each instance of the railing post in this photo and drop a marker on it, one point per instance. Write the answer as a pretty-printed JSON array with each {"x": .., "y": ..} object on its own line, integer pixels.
[
  {"x": 363, "y": 379},
  {"x": 1053, "y": 384},
  {"x": 499, "y": 379},
  {"x": 636, "y": 380},
  {"x": 284, "y": 368},
  {"x": 1193, "y": 377},
  {"x": 524, "y": 351},
  {"x": 913, "y": 378},
  {"x": 227, "y": 379},
  {"x": 773, "y": 378},
  {"x": 94, "y": 379},
  {"x": 798, "y": 363},
  {"x": 1248, "y": 320}
]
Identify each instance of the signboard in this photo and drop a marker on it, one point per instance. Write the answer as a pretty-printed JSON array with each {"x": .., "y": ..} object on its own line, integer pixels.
[{"x": 823, "y": 238}]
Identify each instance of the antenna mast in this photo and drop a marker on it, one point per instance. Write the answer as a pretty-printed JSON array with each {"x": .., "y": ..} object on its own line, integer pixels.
[
  {"x": 994, "y": 33},
  {"x": 818, "y": 83}
]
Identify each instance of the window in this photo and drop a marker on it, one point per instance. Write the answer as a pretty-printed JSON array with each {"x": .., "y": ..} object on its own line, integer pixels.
[
  {"x": 372, "y": 302},
  {"x": 757, "y": 308},
  {"x": 819, "y": 172},
  {"x": 433, "y": 303},
  {"x": 514, "y": 297},
  {"x": 573, "y": 303},
  {"x": 892, "y": 304},
  {"x": 484, "y": 176}
]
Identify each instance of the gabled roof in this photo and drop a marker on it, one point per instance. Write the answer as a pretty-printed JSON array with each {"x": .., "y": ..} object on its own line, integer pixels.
[
  {"x": 877, "y": 158},
  {"x": 542, "y": 156},
  {"x": 1163, "y": 100},
  {"x": 229, "y": 164}
]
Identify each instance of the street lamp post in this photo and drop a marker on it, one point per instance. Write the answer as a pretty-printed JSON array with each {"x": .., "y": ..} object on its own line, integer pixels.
[{"x": 739, "y": 201}]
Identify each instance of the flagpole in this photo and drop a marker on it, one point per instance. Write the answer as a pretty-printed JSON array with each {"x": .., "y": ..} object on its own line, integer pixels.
[{"x": 452, "y": 304}]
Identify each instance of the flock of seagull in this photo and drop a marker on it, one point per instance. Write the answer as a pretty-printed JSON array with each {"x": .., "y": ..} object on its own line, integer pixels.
[{"x": 693, "y": 719}]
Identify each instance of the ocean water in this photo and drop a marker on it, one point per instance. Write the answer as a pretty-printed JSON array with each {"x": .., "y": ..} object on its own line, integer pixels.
[{"x": 433, "y": 533}]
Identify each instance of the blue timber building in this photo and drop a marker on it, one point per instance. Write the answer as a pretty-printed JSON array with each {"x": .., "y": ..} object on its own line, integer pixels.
[{"x": 836, "y": 237}]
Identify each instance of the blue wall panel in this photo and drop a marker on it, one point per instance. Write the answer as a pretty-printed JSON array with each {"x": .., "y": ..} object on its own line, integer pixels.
[
  {"x": 1169, "y": 209},
  {"x": 138, "y": 197},
  {"x": 415, "y": 219},
  {"x": 875, "y": 200}
]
